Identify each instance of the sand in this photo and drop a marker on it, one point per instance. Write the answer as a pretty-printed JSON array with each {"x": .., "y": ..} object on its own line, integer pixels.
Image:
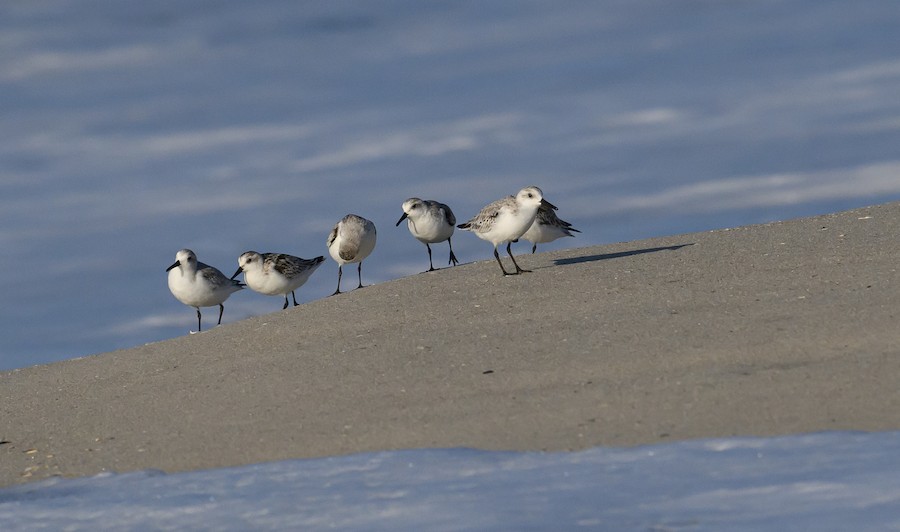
[{"x": 762, "y": 330}]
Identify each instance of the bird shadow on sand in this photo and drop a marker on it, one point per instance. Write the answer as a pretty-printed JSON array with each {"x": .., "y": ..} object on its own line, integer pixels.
[{"x": 619, "y": 255}]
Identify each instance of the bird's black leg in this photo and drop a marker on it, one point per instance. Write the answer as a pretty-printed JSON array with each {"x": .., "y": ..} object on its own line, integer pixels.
[
  {"x": 285, "y": 302},
  {"x": 430, "y": 264},
  {"x": 497, "y": 256},
  {"x": 509, "y": 250},
  {"x": 452, "y": 260},
  {"x": 198, "y": 319},
  {"x": 359, "y": 272},
  {"x": 293, "y": 296},
  {"x": 533, "y": 248},
  {"x": 338, "y": 289}
]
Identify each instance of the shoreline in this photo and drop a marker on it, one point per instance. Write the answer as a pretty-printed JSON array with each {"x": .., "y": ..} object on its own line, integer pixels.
[{"x": 761, "y": 330}]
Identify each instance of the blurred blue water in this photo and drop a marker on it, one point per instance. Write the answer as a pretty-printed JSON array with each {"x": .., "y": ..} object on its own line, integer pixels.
[
  {"x": 826, "y": 481},
  {"x": 131, "y": 130}
]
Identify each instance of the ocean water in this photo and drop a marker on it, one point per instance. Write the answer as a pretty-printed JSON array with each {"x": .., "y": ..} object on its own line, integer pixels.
[
  {"x": 826, "y": 482},
  {"x": 133, "y": 129}
]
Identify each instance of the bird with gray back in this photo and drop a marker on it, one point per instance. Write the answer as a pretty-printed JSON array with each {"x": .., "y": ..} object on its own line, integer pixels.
[
  {"x": 275, "y": 274},
  {"x": 350, "y": 241},
  {"x": 429, "y": 222},
  {"x": 199, "y": 285},
  {"x": 506, "y": 220}
]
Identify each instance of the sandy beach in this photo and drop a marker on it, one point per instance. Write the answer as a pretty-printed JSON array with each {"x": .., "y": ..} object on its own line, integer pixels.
[{"x": 773, "y": 329}]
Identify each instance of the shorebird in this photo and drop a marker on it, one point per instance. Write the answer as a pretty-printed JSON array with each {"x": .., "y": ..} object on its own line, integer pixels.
[
  {"x": 351, "y": 240},
  {"x": 198, "y": 285},
  {"x": 275, "y": 274},
  {"x": 547, "y": 227},
  {"x": 506, "y": 220},
  {"x": 430, "y": 222}
]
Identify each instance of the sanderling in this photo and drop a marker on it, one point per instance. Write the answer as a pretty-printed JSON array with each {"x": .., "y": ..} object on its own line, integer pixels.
[
  {"x": 506, "y": 220},
  {"x": 430, "y": 222},
  {"x": 351, "y": 240},
  {"x": 547, "y": 227},
  {"x": 198, "y": 285},
  {"x": 275, "y": 274}
]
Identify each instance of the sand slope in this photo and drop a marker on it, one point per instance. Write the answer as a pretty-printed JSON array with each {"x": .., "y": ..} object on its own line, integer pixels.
[{"x": 772, "y": 329}]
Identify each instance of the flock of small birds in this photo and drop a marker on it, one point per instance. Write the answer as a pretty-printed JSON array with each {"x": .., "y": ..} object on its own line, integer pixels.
[{"x": 527, "y": 215}]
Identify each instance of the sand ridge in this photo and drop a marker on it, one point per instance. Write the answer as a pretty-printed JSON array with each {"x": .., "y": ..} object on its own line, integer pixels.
[{"x": 769, "y": 329}]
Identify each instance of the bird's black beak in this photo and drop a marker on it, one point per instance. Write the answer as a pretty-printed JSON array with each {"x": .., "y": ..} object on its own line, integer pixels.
[
  {"x": 174, "y": 265},
  {"x": 401, "y": 219},
  {"x": 238, "y": 272},
  {"x": 546, "y": 203}
]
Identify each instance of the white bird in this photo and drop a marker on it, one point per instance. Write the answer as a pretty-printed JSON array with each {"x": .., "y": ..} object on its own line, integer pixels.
[
  {"x": 351, "y": 240},
  {"x": 430, "y": 222},
  {"x": 275, "y": 274},
  {"x": 198, "y": 285},
  {"x": 547, "y": 227},
  {"x": 506, "y": 220}
]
